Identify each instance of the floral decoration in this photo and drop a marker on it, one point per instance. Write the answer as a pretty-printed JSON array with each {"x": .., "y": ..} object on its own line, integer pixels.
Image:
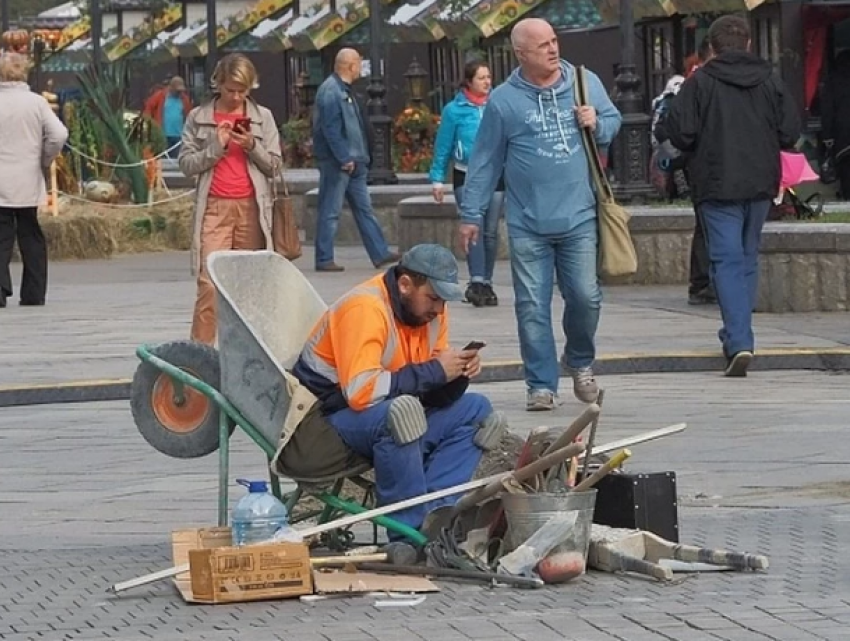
[{"x": 414, "y": 131}]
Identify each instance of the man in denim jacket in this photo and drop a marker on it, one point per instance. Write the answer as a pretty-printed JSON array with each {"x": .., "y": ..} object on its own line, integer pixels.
[{"x": 341, "y": 148}]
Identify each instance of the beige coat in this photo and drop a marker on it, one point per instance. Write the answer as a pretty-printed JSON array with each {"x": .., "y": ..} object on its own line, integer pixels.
[
  {"x": 201, "y": 150},
  {"x": 31, "y": 136}
]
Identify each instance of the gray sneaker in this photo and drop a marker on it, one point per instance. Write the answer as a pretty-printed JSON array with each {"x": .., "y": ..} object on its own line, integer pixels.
[
  {"x": 540, "y": 400},
  {"x": 584, "y": 384}
]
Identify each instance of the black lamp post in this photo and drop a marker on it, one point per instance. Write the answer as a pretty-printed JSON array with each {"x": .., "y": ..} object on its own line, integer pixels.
[
  {"x": 631, "y": 148},
  {"x": 38, "y": 47},
  {"x": 212, "y": 40},
  {"x": 381, "y": 171},
  {"x": 416, "y": 76}
]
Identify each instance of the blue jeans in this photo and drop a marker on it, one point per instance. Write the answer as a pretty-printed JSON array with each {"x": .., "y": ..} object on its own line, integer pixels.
[
  {"x": 335, "y": 186},
  {"x": 572, "y": 257},
  {"x": 445, "y": 456},
  {"x": 733, "y": 232},
  {"x": 481, "y": 260}
]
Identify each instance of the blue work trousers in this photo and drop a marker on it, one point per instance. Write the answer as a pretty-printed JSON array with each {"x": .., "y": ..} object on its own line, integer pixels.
[{"x": 445, "y": 456}]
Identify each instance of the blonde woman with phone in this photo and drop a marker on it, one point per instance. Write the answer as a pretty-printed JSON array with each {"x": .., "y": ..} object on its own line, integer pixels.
[{"x": 231, "y": 146}]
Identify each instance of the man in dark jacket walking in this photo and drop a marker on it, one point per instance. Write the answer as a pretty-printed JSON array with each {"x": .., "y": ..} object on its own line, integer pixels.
[
  {"x": 734, "y": 116},
  {"x": 342, "y": 150}
]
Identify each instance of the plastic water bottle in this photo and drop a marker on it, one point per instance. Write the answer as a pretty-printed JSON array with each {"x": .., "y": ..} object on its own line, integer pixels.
[{"x": 258, "y": 515}]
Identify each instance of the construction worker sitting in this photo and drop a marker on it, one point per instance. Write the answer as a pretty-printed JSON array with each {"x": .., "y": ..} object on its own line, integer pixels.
[{"x": 380, "y": 364}]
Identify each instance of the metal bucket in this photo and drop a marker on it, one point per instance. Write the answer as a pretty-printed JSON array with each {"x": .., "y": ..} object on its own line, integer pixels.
[{"x": 527, "y": 513}]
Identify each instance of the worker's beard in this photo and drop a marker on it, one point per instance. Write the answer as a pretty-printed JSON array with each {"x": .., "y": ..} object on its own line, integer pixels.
[{"x": 406, "y": 314}]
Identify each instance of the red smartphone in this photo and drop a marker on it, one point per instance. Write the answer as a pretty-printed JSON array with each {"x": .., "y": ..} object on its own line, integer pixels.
[{"x": 242, "y": 125}]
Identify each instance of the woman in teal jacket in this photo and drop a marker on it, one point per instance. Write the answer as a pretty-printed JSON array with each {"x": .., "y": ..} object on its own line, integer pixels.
[{"x": 455, "y": 139}]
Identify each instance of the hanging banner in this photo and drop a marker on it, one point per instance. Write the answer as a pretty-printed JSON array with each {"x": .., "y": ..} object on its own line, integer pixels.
[
  {"x": 334, "y": 25},
  {"x": 430, "y": 20},
  {"x": 73, "y": 32},
  {"x": 492, "y": 16},
  {"x": 271, "y": 33},
  {"x": 143, "y": 33},
  {"x": 238, "y": 23}
]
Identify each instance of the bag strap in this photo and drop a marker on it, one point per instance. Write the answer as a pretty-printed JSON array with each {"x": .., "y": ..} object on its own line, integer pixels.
[
  {"x": 597, "y": 172},
  {"x": 282, "y": 171}
]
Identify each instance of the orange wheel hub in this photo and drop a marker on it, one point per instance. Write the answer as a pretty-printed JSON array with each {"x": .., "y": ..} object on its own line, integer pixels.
[{"x": 176, "y": 414}]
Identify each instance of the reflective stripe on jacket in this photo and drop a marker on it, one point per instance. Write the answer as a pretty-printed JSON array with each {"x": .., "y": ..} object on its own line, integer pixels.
[{"x": 359, "y": 344}]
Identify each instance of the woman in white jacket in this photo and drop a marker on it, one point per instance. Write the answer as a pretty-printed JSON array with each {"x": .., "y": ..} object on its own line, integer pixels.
[{"x": 31, "y": 136}]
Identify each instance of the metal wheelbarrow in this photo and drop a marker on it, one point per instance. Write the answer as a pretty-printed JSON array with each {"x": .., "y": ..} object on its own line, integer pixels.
[{"x": 187, "y": 397}]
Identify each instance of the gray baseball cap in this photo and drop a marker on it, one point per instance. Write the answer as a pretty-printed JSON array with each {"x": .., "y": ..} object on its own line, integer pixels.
[{"x": 438, "y": 264}]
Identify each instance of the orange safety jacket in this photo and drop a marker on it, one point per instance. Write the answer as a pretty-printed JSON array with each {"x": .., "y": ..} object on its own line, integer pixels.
[{"x": 360, "y": 353}]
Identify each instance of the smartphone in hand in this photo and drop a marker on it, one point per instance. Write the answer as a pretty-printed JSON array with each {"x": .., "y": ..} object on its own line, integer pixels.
[
  {"x": 242, "y": 125},
  {"x": 475, "y": 345}
]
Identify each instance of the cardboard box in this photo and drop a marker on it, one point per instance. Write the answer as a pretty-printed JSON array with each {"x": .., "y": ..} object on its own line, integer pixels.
[{"x": 220, "y": 573}]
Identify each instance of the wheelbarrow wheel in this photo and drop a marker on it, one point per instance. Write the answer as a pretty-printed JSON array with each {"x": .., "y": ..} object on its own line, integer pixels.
[{"x": 182, "y": 425}]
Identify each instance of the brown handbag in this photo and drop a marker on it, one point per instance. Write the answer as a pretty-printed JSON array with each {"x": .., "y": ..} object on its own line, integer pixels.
[
  {"x": 285, "y": 238},
  {"x": 617, "y": 255}
]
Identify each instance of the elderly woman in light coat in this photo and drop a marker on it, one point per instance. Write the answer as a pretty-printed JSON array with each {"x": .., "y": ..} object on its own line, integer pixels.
[
  {"x": 234, "y": 166},
  {"x": 31, "y": 136}
]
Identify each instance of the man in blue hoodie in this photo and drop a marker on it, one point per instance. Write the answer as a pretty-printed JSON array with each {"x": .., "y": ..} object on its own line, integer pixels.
[{"x": 530, "y": 131}]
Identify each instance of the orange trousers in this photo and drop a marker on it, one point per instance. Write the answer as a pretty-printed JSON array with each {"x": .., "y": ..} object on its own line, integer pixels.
[{"x": 227, "y": 224}]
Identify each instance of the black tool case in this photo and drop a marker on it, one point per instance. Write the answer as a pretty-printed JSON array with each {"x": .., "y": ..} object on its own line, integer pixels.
[{"x": 639, "y": 501}]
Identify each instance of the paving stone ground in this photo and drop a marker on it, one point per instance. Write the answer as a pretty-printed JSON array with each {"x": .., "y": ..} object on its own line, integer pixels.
[
  {"x": 85, "y": 502},
  {"x": 99, "y": 311},
  {"x": 761, "y": 468}
]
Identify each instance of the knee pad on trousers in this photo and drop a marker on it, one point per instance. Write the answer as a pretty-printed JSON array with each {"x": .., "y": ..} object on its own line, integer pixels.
[
  {"x": 406, "y": 420},
  {"x": 490, "y": 431}
]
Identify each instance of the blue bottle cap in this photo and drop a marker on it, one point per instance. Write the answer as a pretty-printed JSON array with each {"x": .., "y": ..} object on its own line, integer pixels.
[{"x": 254, "y": 486}]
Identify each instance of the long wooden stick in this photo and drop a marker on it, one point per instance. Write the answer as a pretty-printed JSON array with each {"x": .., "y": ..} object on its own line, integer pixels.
[
  {"x": 522, "y": 474},
  {"x": 591, "y": 438},
  {"x": 590, "y": 413},
  {"x": 395, "y": 507},
  {"x": 638, "y": 438},
  {"x": 331, "y": 525}
]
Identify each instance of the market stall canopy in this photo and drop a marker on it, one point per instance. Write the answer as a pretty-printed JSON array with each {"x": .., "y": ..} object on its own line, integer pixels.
[
  {"x": 143, "y": 33},
  {"x": 491, "y": 16},
  {"x": 410, "y": 20},
  {"x": 55, "y": 18},
  {"x": 266, "y": 36},
  {"x": 191, "y": 41},
  {"x": 72, "y": 33},
  {"x": 451, "y": 19},
  {"x": 333, "y": 26},
  {"x": 311, "y": 16}
]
